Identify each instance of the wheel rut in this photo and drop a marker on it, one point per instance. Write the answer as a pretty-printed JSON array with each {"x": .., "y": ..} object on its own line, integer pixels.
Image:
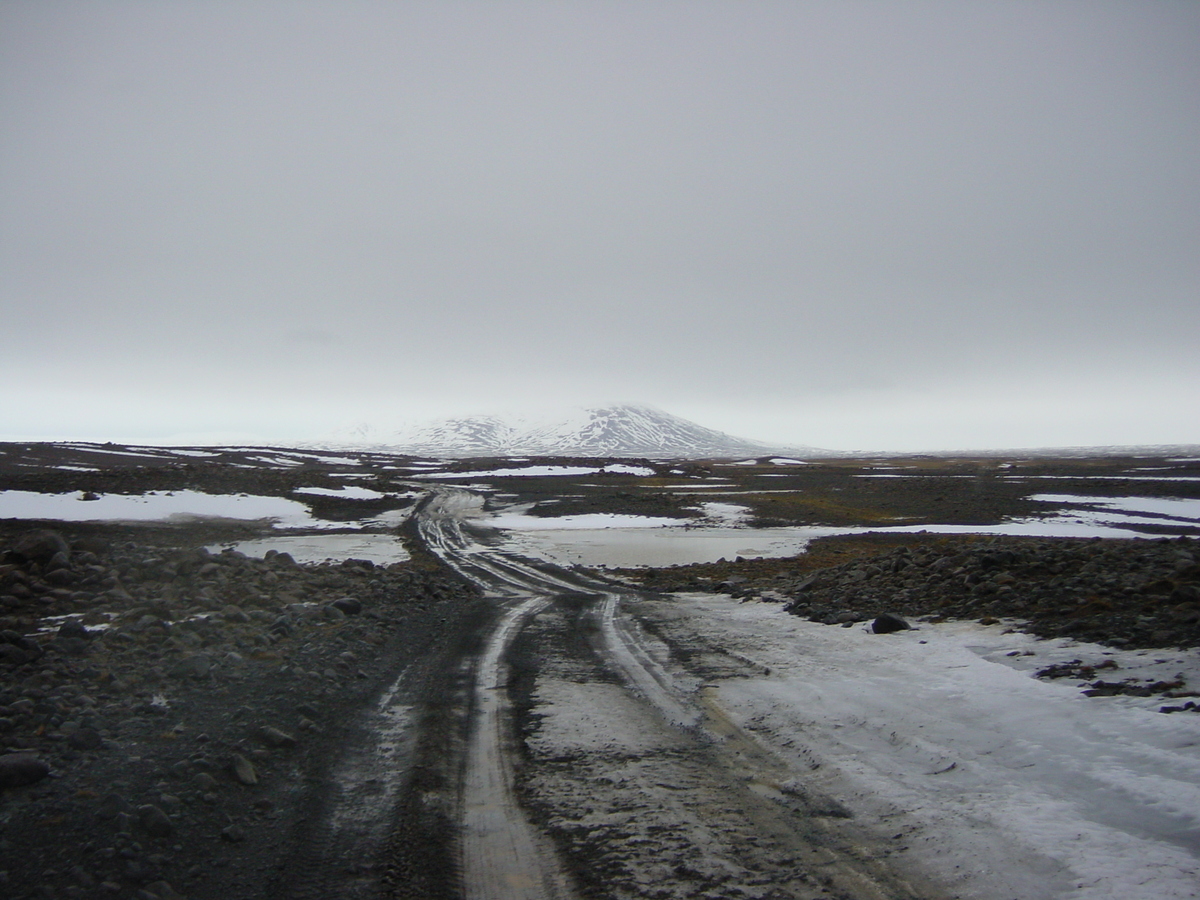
[{"x": 562, "y": 751}]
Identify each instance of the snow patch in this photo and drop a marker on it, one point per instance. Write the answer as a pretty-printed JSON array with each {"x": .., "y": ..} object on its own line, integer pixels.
[{"x": 996, "y": 783}]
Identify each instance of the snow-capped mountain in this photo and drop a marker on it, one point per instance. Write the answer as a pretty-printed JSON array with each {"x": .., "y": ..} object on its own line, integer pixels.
[{"x": 616, "y": 430}]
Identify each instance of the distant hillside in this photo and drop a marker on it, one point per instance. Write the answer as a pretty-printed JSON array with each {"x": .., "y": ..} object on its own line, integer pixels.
[{"x": 617, "y": 430}]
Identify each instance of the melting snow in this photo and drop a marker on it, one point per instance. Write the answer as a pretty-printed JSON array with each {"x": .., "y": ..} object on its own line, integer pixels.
[
  {"x": 520, "y": 522},
  {"x": 998, "y": 783},
  {"x": 343, "y": 493},
  {"x": 542, "y": 471},
  {"x": 154, "y": 506},
  {"x": 1175, "y": 508}
]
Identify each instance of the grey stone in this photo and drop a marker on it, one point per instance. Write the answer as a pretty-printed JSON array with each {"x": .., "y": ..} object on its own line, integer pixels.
[
  {"x": 162, "y": 890},
  {"x": 275, "y": 737},
  {"x": 351, "y": 606},
  {"x": 20, "y": 769},
  {"x": 86, "y": 739},
  {"x": 197, "y": 666},
  {"x": 39, "y": 546},
  {"x": 112, "y": 805},
  {"x": 155, "y": 822},
  {"x": 243, "y": 770}
]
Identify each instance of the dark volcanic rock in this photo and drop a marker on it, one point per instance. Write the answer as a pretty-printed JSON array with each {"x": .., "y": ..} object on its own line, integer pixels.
[
  {"x": 19, "y": 769},
  {"x": 39, "y": 547},
  {"x": 1120, "y": 592},
  {"x": 351, "y": 606},
  {"x": 887, "y": 623}
]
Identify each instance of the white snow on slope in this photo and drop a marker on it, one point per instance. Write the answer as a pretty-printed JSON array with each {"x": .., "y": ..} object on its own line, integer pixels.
[
  {"x": 994, "y": 782},
  {"x": 613, "y": 430}
]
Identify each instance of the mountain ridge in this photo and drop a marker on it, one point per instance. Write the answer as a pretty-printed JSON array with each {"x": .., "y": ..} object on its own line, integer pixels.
[{"x": 619, "y": 429}]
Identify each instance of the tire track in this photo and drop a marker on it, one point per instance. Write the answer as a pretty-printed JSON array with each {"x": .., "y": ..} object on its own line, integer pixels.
[{"x": 706, "y": 806}]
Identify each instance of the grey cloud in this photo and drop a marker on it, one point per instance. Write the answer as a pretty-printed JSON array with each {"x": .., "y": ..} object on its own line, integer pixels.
[{"x": 668, "y": 202}]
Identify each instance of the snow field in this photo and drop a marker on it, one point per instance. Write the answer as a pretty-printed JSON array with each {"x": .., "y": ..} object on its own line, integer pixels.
[{"x": 996, "y": 783}]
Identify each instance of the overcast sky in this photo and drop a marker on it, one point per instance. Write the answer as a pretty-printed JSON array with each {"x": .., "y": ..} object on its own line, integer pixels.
[{"x": 870, "y": 225}]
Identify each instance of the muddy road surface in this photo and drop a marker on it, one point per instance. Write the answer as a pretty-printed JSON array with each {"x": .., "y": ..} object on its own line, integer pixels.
[{"x": 591, "y": 762}]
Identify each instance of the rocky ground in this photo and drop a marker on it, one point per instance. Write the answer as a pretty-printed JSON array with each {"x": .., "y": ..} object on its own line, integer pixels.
[
  {"x": 166, "y": 713},
  {"x": 1124, "y": 593},
  {"x": 169, "y": 716}
]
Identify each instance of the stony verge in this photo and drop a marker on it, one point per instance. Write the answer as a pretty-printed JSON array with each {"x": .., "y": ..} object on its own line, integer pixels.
[
  {"x": 1125, "y": 593},
  {"x": 166, "y": 712}
]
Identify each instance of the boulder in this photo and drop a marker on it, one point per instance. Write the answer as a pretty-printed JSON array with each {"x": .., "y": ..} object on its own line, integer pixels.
[
  {"x": 887, "y": 623},
  {"x": 155, "y": 821},
  {"x": 20, "y": 769},
  {"x": 39, "y": 546},
  {"x": 351, "y": 606}
]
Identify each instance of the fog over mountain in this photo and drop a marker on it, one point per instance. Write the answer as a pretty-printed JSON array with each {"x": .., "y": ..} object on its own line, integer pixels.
[{"x": 614, "y": 430}]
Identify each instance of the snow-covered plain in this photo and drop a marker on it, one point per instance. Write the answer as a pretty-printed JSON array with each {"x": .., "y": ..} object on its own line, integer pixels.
[{"x": 987, "y": 779}]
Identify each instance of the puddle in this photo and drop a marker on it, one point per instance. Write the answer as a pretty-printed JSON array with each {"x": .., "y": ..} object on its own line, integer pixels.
[
  {"x": 631, "y": 547},
  {"x": 1114, "y": 508},
  {"x": 155, "y": 506},
  {"x": 542, "y": 471},
  {"x": 632, "y": 541},
  {"x": 381, "y": 549},
  {"x": 587, "y": 521}
]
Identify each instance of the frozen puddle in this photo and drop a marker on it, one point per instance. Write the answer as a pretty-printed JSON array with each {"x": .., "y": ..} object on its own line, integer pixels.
[
  {"x": 660, "y": 546},
  {"x": 993, "y": 782},
  {"x": 1126, "y": 510},
  {"x": 607, "y": 539},
  {"x": 381, "y": 549},
  {"x": 160, "y": 506},
  {"x": 153, "y": 506}
]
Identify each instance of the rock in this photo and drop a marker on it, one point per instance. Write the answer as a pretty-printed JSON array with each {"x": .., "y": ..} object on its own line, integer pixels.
[
  {"x": 204, "y": 782},
  {"x": 112, "y": 805},
  {"x": 73, "y": 628},
  {"x": 86, "y": 739},
  {"x": 162, "y": 890},
  {"x": 30, "y": 649},
  {"x": 60, "y": 560},
  {"x": 275, "y": 737},
  {"x": 887, "y": 623},
  {"x": 243, "y": 770},
  {"x": 39, "y": 546},
  {"x": 61, "y": 577},
  {"x": 1185, "y": 593},
  {"x": 235, "y": 834},
  {"x": 155, "y": 822},
  {"x": 20, "y": 769},
  {"x": 351, "y": 606},
  {"x": 11, "y": 655},
  {"x": 197, "y": 667}
]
